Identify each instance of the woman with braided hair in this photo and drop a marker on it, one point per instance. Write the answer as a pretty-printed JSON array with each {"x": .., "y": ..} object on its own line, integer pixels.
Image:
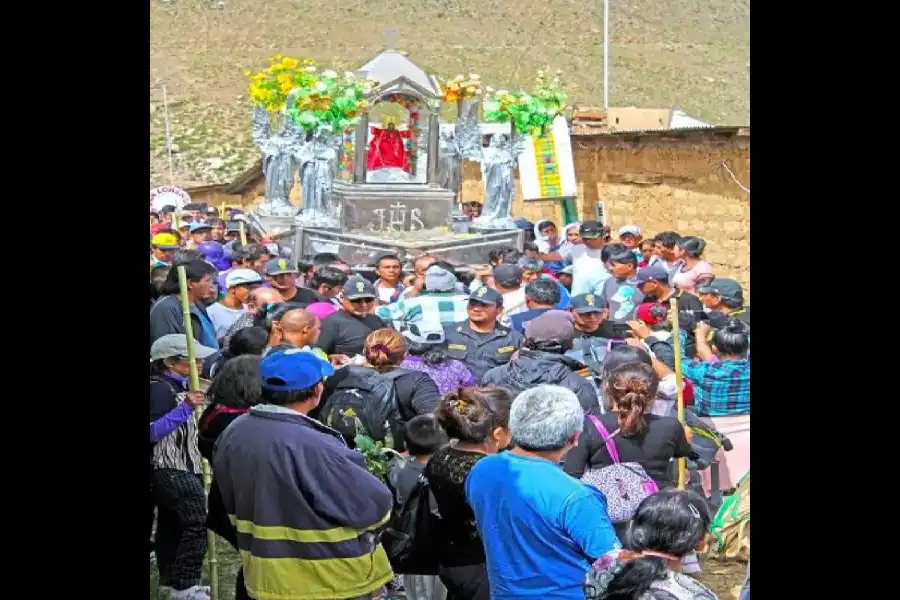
[
  {"x": 477, "y": 421},
  {"x": 629, "y": 391}
]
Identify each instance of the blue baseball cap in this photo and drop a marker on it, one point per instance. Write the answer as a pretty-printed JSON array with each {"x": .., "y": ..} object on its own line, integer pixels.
[
  {"x": 199, "y": 225},
  {"x": 654, "y": 272},
  {"x": 293, "y": 369}
]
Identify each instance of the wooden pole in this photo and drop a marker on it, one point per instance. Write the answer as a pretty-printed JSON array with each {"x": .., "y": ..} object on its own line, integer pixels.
[
  {"x": 212, "y": 562},
  {"x": 243, "y": 231},
  {"x": 679, "y": 391}
]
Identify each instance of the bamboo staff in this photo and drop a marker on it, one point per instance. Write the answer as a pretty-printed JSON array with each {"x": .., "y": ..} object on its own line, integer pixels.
[
  {"x": 679, "y": 392},
  {"x": 243, "y": 231},
  {"x": 222, "y": 209},
  {"x": 211, "y": 560}
]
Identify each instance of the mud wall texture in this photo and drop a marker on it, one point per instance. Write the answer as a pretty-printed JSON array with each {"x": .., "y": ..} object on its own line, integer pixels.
[{"x": 661, "y": 181}]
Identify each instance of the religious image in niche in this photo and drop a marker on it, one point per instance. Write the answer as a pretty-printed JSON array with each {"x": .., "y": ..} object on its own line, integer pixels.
[{"x": 387, "y": 145}]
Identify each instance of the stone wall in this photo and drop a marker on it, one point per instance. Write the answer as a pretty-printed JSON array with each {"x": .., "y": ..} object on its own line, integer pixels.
[{"x": 660, "y": 181}]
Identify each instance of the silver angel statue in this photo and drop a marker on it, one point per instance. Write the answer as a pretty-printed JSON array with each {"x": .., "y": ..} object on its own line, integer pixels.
[
  {"x": 497, "y": 170},
  {"x": 318, "y": 162},
  {"x": 280, "y": 159},
  {"x": 450, "y": 163},
  {"x": 463, "y": 142}
]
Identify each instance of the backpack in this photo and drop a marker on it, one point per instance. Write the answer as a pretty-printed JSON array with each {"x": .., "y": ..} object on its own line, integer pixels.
[
  {"x": 372, "y": 407},
  {"x": 625, "y": 485},
  {"x": 729, "y": 531},
  {"x": 409, "y": 538}
]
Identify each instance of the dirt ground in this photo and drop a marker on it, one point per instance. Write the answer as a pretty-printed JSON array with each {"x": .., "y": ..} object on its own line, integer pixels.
[{"x": 724, "y": 578}]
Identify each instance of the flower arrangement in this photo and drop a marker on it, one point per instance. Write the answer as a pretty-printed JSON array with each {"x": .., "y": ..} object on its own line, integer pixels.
[
  {"x": 461, "y": 88},
  {"x": 270, "y": 87},
  {"x": 320, "y": 100},
  {"x": 529, "y": 113},
  {"x": 332, "y": 102}
]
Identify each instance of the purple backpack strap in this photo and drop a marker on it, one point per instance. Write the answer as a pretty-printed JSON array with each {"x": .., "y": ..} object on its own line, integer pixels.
[{"x": 607, "y": 439}]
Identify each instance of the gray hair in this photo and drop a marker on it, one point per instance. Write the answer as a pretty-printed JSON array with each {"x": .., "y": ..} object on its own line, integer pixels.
[
  {"x": 545, "y": 418},
  {"x": 526, "y": 263}
]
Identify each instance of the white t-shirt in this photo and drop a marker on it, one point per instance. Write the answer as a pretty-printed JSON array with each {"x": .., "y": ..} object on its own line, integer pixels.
[
  {"x": 223, "y": 317},
  {"x": 589, "y": 272},
  {"x": 386, "y": 293}
]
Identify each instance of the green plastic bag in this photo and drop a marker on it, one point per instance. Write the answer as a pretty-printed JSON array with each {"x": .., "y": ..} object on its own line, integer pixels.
[{"x": 729, "y": 531}]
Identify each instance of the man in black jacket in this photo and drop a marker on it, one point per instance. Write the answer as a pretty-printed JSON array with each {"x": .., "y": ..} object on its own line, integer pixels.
[
  {"x": 653, "y": 282},
  {"x": 166, "y": 315},
  {"x": 345, "y": 332},
  {"x": 725, "y": 299}
]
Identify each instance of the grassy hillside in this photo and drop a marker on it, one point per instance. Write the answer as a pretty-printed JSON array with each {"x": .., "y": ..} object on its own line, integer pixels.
[{"x": 688, "y": 54}]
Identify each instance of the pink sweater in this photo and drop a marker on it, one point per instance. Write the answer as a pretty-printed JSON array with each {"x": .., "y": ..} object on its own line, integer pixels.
[{"x": 687, "y": 280}]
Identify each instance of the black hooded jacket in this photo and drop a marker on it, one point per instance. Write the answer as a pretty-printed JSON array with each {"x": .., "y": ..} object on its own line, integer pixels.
[{"x": 535, "y": 367}]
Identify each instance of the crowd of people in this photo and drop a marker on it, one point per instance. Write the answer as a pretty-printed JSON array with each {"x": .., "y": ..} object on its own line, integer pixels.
[{"x": 530, "y": 406}]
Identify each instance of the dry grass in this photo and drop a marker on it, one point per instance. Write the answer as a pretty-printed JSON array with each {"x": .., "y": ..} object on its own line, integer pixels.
[{"x": 689, "y": 54}]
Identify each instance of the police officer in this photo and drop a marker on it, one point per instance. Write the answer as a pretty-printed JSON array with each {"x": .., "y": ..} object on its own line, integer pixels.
[
  {"x": 590, "y": 312},
  {"x": 592, "y": 331},
  {"x": 723, "y": 299},
  {"x": 481, "y": 343}
]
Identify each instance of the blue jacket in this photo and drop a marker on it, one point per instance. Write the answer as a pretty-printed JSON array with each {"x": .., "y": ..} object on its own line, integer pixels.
[{"x": 305, "y": 508}]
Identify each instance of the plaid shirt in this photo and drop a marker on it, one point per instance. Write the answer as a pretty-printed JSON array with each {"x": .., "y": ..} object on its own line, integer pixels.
[
  {"x": 437, "y": 307},
  {"x": 721, "y": 387}
]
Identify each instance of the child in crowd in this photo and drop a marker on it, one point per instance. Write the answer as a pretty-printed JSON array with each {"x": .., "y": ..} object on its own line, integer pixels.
[
  {"x": 423, "y": 437},
  {"x": 648, "y": 251}
]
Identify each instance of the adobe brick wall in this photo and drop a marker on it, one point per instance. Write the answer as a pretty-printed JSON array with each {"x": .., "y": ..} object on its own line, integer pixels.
[{"x": 674, "y": 181}]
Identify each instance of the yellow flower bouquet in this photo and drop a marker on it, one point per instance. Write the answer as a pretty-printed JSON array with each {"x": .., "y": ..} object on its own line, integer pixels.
[
  {"x": 270, "y": 87},
  {"x": 462, "y": 88},
  {"x": 313, "y": 99}
]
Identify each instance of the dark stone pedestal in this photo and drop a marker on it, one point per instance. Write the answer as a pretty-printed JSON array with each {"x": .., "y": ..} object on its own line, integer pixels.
[{"x": 384, "y": 207}]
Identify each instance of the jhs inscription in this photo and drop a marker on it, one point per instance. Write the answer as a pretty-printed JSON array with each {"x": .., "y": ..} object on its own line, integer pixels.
[{"x": 397, "y": 218}]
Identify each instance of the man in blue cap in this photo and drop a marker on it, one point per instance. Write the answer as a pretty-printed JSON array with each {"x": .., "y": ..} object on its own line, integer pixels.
[
  {"x": 200, "y": 232},
  {"x": 653, "y": 282},
  {"x": 311, "y": 509}
]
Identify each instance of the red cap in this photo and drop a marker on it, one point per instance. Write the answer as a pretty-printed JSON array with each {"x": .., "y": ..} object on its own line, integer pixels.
[
  {"x": 157, "y": 227},
  {"x": 643, "y": 313}
]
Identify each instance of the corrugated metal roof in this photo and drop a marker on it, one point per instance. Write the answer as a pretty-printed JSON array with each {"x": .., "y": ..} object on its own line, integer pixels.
[
  {"x": 390, "y": 65},
  {"x": 662, "y": 130},
  {"x": 682, "y": 120}
]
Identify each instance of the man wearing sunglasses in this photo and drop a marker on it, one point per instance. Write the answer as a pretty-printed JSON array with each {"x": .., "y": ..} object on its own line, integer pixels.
[{"x": 345, "y": 331}]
